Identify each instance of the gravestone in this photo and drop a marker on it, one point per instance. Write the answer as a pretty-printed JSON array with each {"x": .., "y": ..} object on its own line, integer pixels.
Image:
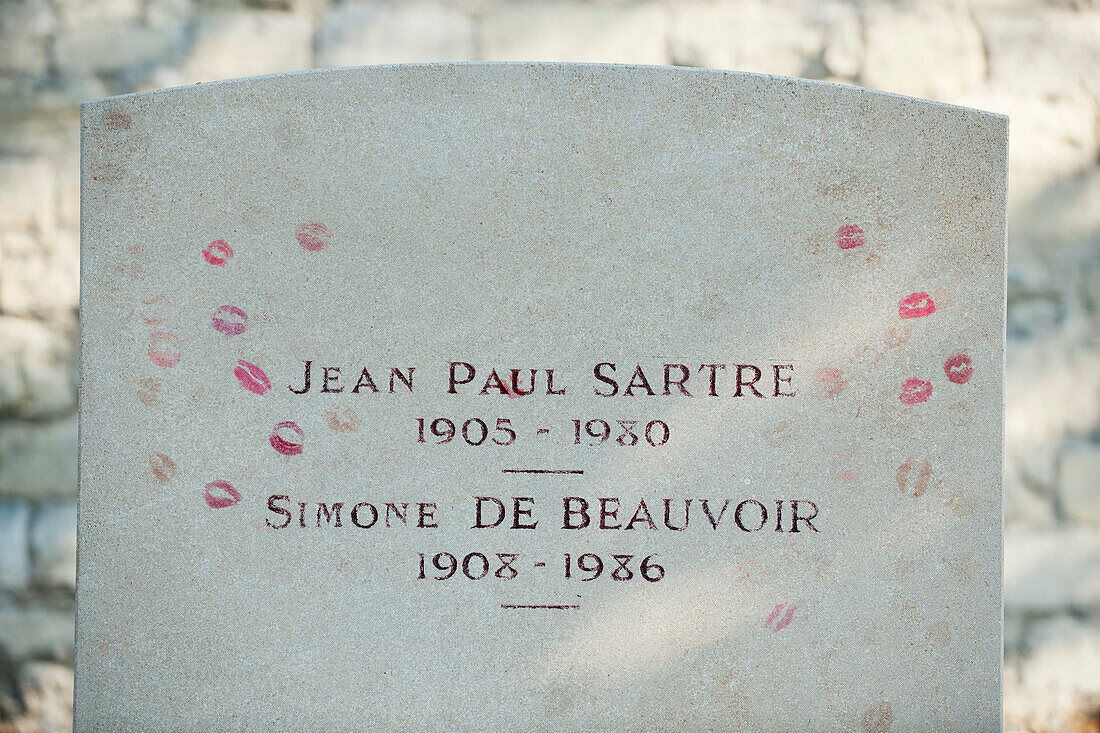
[{"x": 540, "y": 396}]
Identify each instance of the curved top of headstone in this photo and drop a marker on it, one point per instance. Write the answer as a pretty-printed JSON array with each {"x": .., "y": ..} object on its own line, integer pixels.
[{"x": 612, "y": 77}]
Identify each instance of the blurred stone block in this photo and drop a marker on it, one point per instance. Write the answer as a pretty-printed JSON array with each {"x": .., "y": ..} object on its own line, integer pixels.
[
  {"x": 109, "y": 47},
  {"x": 752, "y": 35},
  {"x": 26, "y": 193},
  {"x": 14, "y": 556},
  {"x": 236, "y": 43},
  {"x": 37, "y": 633},
  {"x": 575, "y": 31},
  {"x": 53, "y": 544},
  {"x": 1048, "y": 570},
  {"x": 47, "y": 693},
  {"x": 37, "y": 368},
  {"x": 1063, "y": 653},
  {"x": 25, "y": 26},
  {"x": 1043, "y": 50},
  {"x": 925, "y": 49},
  {"x": 1079, "y": 483},
  {"x": 39, "y": 274},
  {"x": 376, "y": 33},
  {"x": 38, "y": 460}
]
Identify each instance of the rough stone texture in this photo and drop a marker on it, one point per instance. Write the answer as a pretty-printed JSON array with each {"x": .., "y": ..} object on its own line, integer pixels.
[
  {"x": 38, "y": 460},
  {"x": 14, "y": 556},
  {"x": 1038, "y": 62},
  {"x": 53, "y": 544},
  {"x": 377, "y": 33}
]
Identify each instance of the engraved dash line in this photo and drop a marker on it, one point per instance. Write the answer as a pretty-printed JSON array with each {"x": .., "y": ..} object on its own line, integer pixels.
[
  {"x": 553, "y": 607},
  {"x": 570, "y": 471}
]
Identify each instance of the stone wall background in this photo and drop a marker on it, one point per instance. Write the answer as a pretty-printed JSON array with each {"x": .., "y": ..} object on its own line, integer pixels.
[{"x": 1038, "y": 62}]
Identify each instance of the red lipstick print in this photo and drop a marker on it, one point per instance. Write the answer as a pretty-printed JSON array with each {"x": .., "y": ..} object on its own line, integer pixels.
[
  {"x": 342, "y": 420},
  {"x": 153, "y": 311},
  {"x": 148, "y": 389},
  {"x": 830, "y": 382},
  {"x": 162, "y": 466},
  {"x": 164, "y": 349},
  {"x": 230, "y": 320},
  {"x": 958, "y": 369},
  {"x": 287, "y": 438},
  {"x": 218, "y": 252},
  {"x": 313, "y": 235},
  {"x": 914, "y": 391},
  {"x": 917, "y": 305},
  {"x": 220, "y": 494},
  {"x": 252, "y": 377},
  {"x": 780, "y": 619},
  {"x": 849, "y": 236}
]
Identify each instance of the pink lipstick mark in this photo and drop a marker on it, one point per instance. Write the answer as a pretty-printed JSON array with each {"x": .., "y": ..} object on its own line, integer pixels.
[
  {"x": 958, "y": 369},
  {"x": 917, "y": 305},
  {"x": 220, "y": 494},
  {"x": 162, "y": 466},
  {"x": 230, "y": 320},
  {"x": 849, "y": 236},
  {"x": 287, "y": 438},
  {"x": 924, "y": 476},
  {"x": 148, "y": 389},
  {"x": 313, "y": 235},
  {"x": 153, "y": 310},
  {"x": 830, "y": 382},
  {"x": 342, "y": 420},
  {"x": 845, "y": 466},
  {"x": 164, "y": 349},
  {"x": 914, "y": 391},
  {"x": 116, "y": 119},
  {"x": 252, "y": 377},
  {"x": 784, "y": 620},
  {"x": 218, "y": 252}
]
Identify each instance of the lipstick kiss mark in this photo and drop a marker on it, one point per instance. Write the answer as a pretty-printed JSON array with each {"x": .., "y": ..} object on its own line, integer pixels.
[
  {"x": 116, "y": 119},
  {"x": 849, "y": 236},
  {"x": 218, "y": 252},
  {"x": 164, "y": 349},
  {"x": 924, "y": 477},
  {"x": 830, "y": 382},
  {"x": 845, "y": 466},
  {"x": 958, "y": 369},
  {"x": 917, "y": 305},
  {"x": 153, "y": 311},
  {"x": 220, "y": 494},
  {"x": 148, "y": 389},
  {"x": 287, "y": 438},
  {"x": 342, "y": 420},
  {"x": 229, "y": 320},
  {"x": 897, "y": 334},
  {"x": 781, "y": 620},
  {"x": 914, "y": 391},
  {"x": 252, "y": 377},
  {"x": 313, "y": 235},
  {"x": 162, "y": 466}
]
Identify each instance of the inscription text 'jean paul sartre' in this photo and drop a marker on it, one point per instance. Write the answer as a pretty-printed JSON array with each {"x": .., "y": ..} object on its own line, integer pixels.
[{"x": 608, "y": 379}]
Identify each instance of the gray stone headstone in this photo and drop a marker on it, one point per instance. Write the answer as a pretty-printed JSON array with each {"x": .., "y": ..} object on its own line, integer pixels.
[{"x": 755, "y": 484}]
